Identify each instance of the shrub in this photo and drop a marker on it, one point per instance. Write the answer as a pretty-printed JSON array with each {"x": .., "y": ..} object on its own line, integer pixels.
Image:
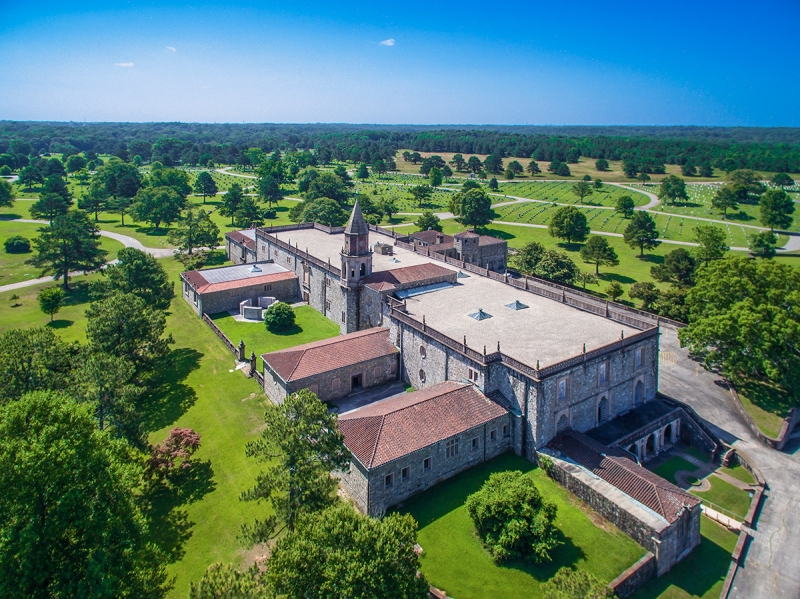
[
  {"x": 513, "y": 519},
  {"x": 50, "y": 300},
  {"x": 17, "y": 245},
  {"x": 546, "y": 464},
  {"x": 5, "y": 171},
  {"x": 270, "y": 214},
  {"x": 279, "y": 317},
  {"x": 575, "y": 584}
]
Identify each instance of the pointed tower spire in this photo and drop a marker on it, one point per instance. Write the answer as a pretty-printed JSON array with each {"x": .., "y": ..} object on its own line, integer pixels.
[{"x": 356, "y": 225}]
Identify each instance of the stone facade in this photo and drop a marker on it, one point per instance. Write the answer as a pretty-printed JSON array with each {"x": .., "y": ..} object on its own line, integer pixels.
[
  {"x": 285, "y": 290},
  {"x": 333, "y": 384},
  {"x": 369, "y": 490},
  {"x": 240, "y": 246},
  {"x": 481, "y": 250}
]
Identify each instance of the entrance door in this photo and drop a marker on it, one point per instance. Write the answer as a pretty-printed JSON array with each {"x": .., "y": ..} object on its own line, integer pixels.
[
  {"x": 305, "y": 296},
  {"x": 355, "y": 382}
]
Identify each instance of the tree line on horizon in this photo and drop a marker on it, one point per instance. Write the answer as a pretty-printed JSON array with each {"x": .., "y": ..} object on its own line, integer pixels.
[{"x": 727, "y": 149}]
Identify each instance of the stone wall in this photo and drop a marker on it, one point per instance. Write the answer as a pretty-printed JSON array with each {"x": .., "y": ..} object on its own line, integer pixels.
[
  {"x": 238, "y": 253},
  {"x": 334, "y": 384},
  {"x": 668, "y": 542},
  {"x": 229, "y": 299},
  {"x": 634, "y": 577},
  {"x": 380, "y": 497}
]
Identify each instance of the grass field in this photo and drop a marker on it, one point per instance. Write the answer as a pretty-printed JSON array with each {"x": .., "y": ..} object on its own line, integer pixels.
[
  {"x": 561, "y": 192},
  {"x": 700, "y": 574},
  {"x": 766, "y": 405},
  {"x": 738, "y": 472},
  {"x": 199, "y": 524},
  {"x": 309, "y": 326},
  {"x": 727, "y": 496},
  {"x": 455, "y": 560},
  {"x": 668, "y": 469}
]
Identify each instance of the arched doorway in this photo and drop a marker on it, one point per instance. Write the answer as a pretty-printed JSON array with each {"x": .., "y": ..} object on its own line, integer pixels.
[
  {"x": 650, "y": 445},
  {"x": 602, "y": 410},
  {"x": 638, "y": 393},
  {"x": 563, "y": 423},
  {"x": 668, "y": 433}
]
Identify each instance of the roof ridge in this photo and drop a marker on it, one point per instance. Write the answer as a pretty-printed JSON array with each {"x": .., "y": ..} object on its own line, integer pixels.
[
  {"x": 296, "y": 364},
  {"x": 377, "y": 441}
]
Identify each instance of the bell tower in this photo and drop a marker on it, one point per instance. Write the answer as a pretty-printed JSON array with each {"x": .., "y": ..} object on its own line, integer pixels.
[{"x": 356, "y": 253}]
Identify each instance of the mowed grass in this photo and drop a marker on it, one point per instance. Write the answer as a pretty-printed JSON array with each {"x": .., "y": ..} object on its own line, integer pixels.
[
  {"x": 561, "y": 192},
  {"x": 668, "y": 469},
  {"x": 454, "y": 558},
  {"x": 727, "y": 496},
  {"x": 309, "y": 326},
  {"x": 13, "y": 267},
  {"x": 700, "y": 574},
  {"x": 198, "y": 524},
  {"x": 738, "y": 472},
  {"x": 765, "y": 404}
]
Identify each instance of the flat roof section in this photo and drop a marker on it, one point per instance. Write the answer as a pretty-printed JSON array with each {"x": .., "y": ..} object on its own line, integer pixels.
[
  {"x": 547, "y": 330},
  {"x": 324, "y": 246},
  {"x": 240, "y": 271}
]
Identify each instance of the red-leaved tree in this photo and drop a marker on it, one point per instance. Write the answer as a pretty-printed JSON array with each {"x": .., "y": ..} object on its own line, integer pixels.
[{"x": 175, "y": 452}]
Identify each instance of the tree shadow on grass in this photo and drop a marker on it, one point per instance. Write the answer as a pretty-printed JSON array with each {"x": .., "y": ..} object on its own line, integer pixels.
[
  {"x": 153, "y": 232},
  {"x": 78, "y": 293},
  {"x": 613, "y": 276},
  {"x": 215, "y": 258},
  {"x": 10, "y": 216},
  {"x": 61, "y": 323},
  {"x": 740, "y": 216},
  {"x": 293, "y": 330},
  {"x": 171, "y": 398},
  {"x": 769, "y": 398},
  {"x": 170, "y": 526},
  {"x": 653, "y": 258},
  {"x": 566, "y": 554},
  {"x": 498, "y": 233}
]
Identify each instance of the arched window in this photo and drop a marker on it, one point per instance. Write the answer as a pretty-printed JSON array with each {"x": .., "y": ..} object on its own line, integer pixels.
[
  {"x": 563, "y": 423},
  {"x": 363, "y": 269},
  {"x": 422, "y": 375},
  {"x": 422, "y": 351},
  {"x": 602, "y": 410},
  {"x": 638, "y": 393}
]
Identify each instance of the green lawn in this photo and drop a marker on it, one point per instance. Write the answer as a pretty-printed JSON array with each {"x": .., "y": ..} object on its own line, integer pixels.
[
  {"x": 309, "y": 326},
  {"x": 739, "y": 473},
  {"x": 766, "y": 405},
  {"x": 561, "y": 192},
  {"x": 700, "y": 574},
  {"x": 727, "y": 496},
  {"x": 668, "y": 469},
  {"x": 12, "y": 266},
  {"x": 454, "y": 558}
]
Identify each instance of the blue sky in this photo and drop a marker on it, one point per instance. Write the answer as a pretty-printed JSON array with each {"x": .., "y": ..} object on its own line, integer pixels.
[{"x": 697, "y": 63}]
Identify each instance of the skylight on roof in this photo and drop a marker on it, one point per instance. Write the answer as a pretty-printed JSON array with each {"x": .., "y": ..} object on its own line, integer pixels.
[
  {"x": 517, "y": 305},
  {"x": 480, "y": 315}
]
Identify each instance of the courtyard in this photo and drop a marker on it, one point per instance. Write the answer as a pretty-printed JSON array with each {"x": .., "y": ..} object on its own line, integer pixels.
[{"x": 455, "y": 561}]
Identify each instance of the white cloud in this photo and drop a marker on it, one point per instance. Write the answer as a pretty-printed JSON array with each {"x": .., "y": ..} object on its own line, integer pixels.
[
  {"x": 171, "y": 48},
  {"x": 389, "y": 42},
  {"x": 124, "y": 64}
]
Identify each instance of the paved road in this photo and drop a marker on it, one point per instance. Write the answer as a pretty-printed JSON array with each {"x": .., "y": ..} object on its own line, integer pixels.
[
  {"x": 771, "y": 569},
  {"x": 125, "y": 240}
]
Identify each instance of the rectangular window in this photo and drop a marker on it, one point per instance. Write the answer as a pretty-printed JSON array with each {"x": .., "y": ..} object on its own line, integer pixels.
[
  {"x": 268, "y": 287},
  {"x": 426, "y": 464},
  {"x": 328, "y": 304},
  {"x": 602, "y": 372},
  {"x": 388, "y": 480},
  {"x": 342, "y": 316},
  {"x": 505, "y": 430},
  {"x": 562, "y": 389},
  {"x": 195, "y": 298},
  {"x": 492, "y": 435},
  {"x": 451, "y": 448},
  {"x": 288, "y": 259},
  {"x": 328, "y": 281},
  {"x": 475, "y": 444},
  {"x": 404, "y": 474},
  {"x": 639, "y": 356},
  {"x": 472, "y": 375}
]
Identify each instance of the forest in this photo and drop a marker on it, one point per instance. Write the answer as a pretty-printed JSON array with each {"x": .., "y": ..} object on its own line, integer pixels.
[{"x": 767, "y": 149}]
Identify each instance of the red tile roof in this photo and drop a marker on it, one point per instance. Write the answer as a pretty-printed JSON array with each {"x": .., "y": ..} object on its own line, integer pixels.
[
  {"x": 242, "y": 239},
  {"x": 466, "y": 235},
  {"x": 196, "y": 279},
  {"x": 432, "y": 237},
  {"x": 386, "y": 280},
  {"x": 387, "y": 430},
  {"x": 638, "y": 482},
  {"x": 310, "y": 359}
]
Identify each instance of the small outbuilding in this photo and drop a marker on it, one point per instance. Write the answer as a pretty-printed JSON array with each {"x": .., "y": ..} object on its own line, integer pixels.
[{"x": 332, "y": 368}]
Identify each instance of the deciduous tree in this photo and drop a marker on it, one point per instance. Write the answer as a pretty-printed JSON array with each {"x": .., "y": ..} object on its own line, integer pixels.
[
  {"x": 70, "y": 507},
  {"x": 301, "y": 445},
  {"x": 6, "y": 195},
  {"x": 678, "y": 268},
  {"x": 625, "y": 205},
  {"x": 568, "y": 223},
  {"x": 533, "y": 168},
  {"x": 575, "y": 584},
  {"x": 71, "y": 243},
  {"x": 713, "y": 243},
  {"x": 646, "y": 292},
  {"x": 776, "y": 209},
  {"x": 582, "y": 189},
  {"x": 50, "y": 300},
  {"x": 601, "y": 164},
  {"x": 473, "y": 207},
  {"x": 782, "y": 180},
  {"x": 32, "y": 359},
  {"x": 421, "y": 193},
  {"x": 157, "y": 205},
  {"x": 328, "y": 185},
  {"x": 428, "y": 221},
  {"x": 725, "y": 199},
  {"x": 763, "y": 244},
  {"x": 279, "y": 317},
  {"x": 249, "y": 214},
  {"x": 513, "y": 519},
  {"x": 324, "y": 211},
  {"x": 672, "y": 189},
  {"x": 341, "y": 553},
  {"x": 614, "y": 291},
  {"x": 435, "y": 177}
]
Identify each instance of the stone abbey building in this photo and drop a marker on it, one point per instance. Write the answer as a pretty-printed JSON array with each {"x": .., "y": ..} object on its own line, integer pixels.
[{"x": 523, "y": 361}]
